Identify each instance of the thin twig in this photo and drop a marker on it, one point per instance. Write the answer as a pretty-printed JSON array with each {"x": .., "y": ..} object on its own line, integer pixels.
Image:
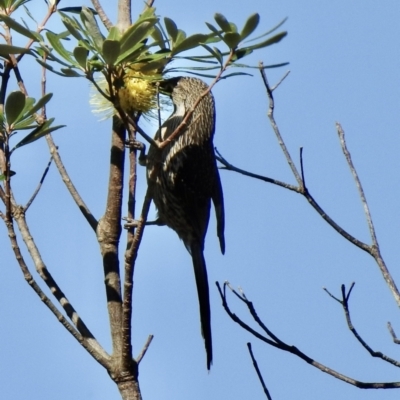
[
  {"x": 145, "y": 348},
  {"x": 68, "y": 183},
  {"x": 345, "y": 305},
  {"x": 302, "y": 168},
  {"x": 280, "y": 81},
  {"x": 260, "y": 377},
  {"x": 294, "y": 350},
  {"x": 229, "y": 167},
  {"x": 275, "y": 126},
  {"x": 392, "y": 333},
  {"x": 358, "y": 183},
  {"x": 28, "y": 204},
  {"x": 374, "y": 249}
]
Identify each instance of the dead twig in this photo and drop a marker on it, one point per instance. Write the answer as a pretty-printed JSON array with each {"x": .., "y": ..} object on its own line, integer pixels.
[{"x": 274, "y": 341}]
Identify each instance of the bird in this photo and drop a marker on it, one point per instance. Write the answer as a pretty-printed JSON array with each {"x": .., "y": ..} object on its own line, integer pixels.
[{"x": 184, "y": 179}]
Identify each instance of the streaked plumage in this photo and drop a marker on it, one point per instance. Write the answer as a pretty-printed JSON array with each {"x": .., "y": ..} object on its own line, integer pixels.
[{"x": 184, "y": 179}]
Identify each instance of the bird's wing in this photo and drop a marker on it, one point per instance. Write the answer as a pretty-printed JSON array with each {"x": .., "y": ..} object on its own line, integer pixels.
[{"x": 218, "y": 200}]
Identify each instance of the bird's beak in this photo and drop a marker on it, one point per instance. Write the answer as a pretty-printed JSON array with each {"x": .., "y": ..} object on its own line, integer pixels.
[{"x": 168, "y": 85}]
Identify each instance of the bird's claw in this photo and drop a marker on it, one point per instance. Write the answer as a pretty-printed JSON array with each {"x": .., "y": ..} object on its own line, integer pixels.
[{"x": 130, "y": 223}]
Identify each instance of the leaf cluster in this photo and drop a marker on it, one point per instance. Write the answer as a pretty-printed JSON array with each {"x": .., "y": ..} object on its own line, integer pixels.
[
  {"x": 148, "y": 44},
  {"x": 20, "y": 114}
]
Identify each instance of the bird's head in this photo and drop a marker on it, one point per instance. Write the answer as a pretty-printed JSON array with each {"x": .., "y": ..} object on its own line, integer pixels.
[{"x": 183, "y": 89}]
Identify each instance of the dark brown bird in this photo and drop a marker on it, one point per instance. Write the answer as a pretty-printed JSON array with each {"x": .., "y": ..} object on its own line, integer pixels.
[{"x": 184, "y": 179}]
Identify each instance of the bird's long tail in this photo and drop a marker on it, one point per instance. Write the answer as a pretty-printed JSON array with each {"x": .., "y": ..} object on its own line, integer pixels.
[{"x": 200, "y": 273}]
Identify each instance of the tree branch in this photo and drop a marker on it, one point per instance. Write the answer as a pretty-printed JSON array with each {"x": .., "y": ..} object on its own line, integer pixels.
[
  {"x": 102, "y": 15},
  {"x": 260, "y": 377},
  {"x": 345, "y": 304},
  {"x": 274, "y": 341},
  {"x": 82, "y": 334}
]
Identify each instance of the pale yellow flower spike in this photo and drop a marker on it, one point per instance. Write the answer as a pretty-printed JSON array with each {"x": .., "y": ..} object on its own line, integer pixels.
[{"x": 138, "y": 94}]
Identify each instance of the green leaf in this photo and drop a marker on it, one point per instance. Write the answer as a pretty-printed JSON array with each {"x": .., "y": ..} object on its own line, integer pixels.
[
  {"x": 70, "y": 73},
  {"x": 215, "y": 52},
  {"x": 72, "y": 26},
  {"x": 19, "y": 3},
  {"x": 37, "y": 133},
  {"x": 59, "y": 48},
  {"x": 20, "y": 28},
  {"x": 156, "y": 65},
  {"x": 133, "y": 37},
  {"x": 275, "y": 39},
  {"x": 274, "y": 65},
  {"x": 233, "y": 27},
  {"x": 223, "y": 22},
  {"x": 76, "y": 10},
  {"x": 250, "y": 26},
  {"x": 48, "y": 66},
  {"x": 111, "y": 49},
  {"x": 235, "y": 74},
  {"x": 147, "y": 13},
  {"x": 270, "y": 31},
  {"x": 240, "y": 53},
  {"x": 212, "y": 38},
  {"x": 171, "y": 28},
  {"x": 180, "y": 37},
  {"x": 40, "y": 104},
  {"x": 158, "y": 37},
  {"x": 27, "y": 123},
  {"x": 131, "y": 54},
  {"x": 202, "y": 75},
  {"x": 5, "y": 50},
  {"x": 114, "y": 33},
  {"x": 81, "y": 55},
  {"x": 232, "y": 39},
  {"x": 92, "y": 27},
  {"x": 29, "y": 102},
  {"x": 189, "y": 43},
  {"x": 15, "y": 103},
  {"x": 214, "y": 30},
  {"x": 50, "y": 56}
]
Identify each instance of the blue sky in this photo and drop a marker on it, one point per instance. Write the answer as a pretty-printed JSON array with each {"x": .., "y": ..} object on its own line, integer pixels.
[{"x": 344, "y": 64}]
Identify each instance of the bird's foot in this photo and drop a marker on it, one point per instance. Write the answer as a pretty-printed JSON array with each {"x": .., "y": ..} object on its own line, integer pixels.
[
  {"x": 134, "y": 223},
  {"x": 135, "y": 144},
  {"x": 130, "y": 223}
]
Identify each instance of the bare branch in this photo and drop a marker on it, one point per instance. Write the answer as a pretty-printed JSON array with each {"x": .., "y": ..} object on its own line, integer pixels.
[
  {"x": 345, "y": 304},
  {"x": 102, "y": 15},
  {"x": 391, "y": 330},
  {"x": 229, "y": 167},
  {"x": 260, "y": 377},
  {"x": 68, "y": 183},
  {"x": 358, "y": 183},
  {"x": 109, "y": 233},
  {"x": 374, "y": 249},
  {"x": 302, "y": 168},
  {"x": 280, "y": 81},
  {"x": 277, "y": 343},
  {"x": 124, "y": 15},
  {"x": 28, "y": 204},
  {"x": 145, "y": 348},
  {"x": 275, "y": 126},
  {"x": 82, "y": 333},
  {"x": 304, "y": 192}
]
